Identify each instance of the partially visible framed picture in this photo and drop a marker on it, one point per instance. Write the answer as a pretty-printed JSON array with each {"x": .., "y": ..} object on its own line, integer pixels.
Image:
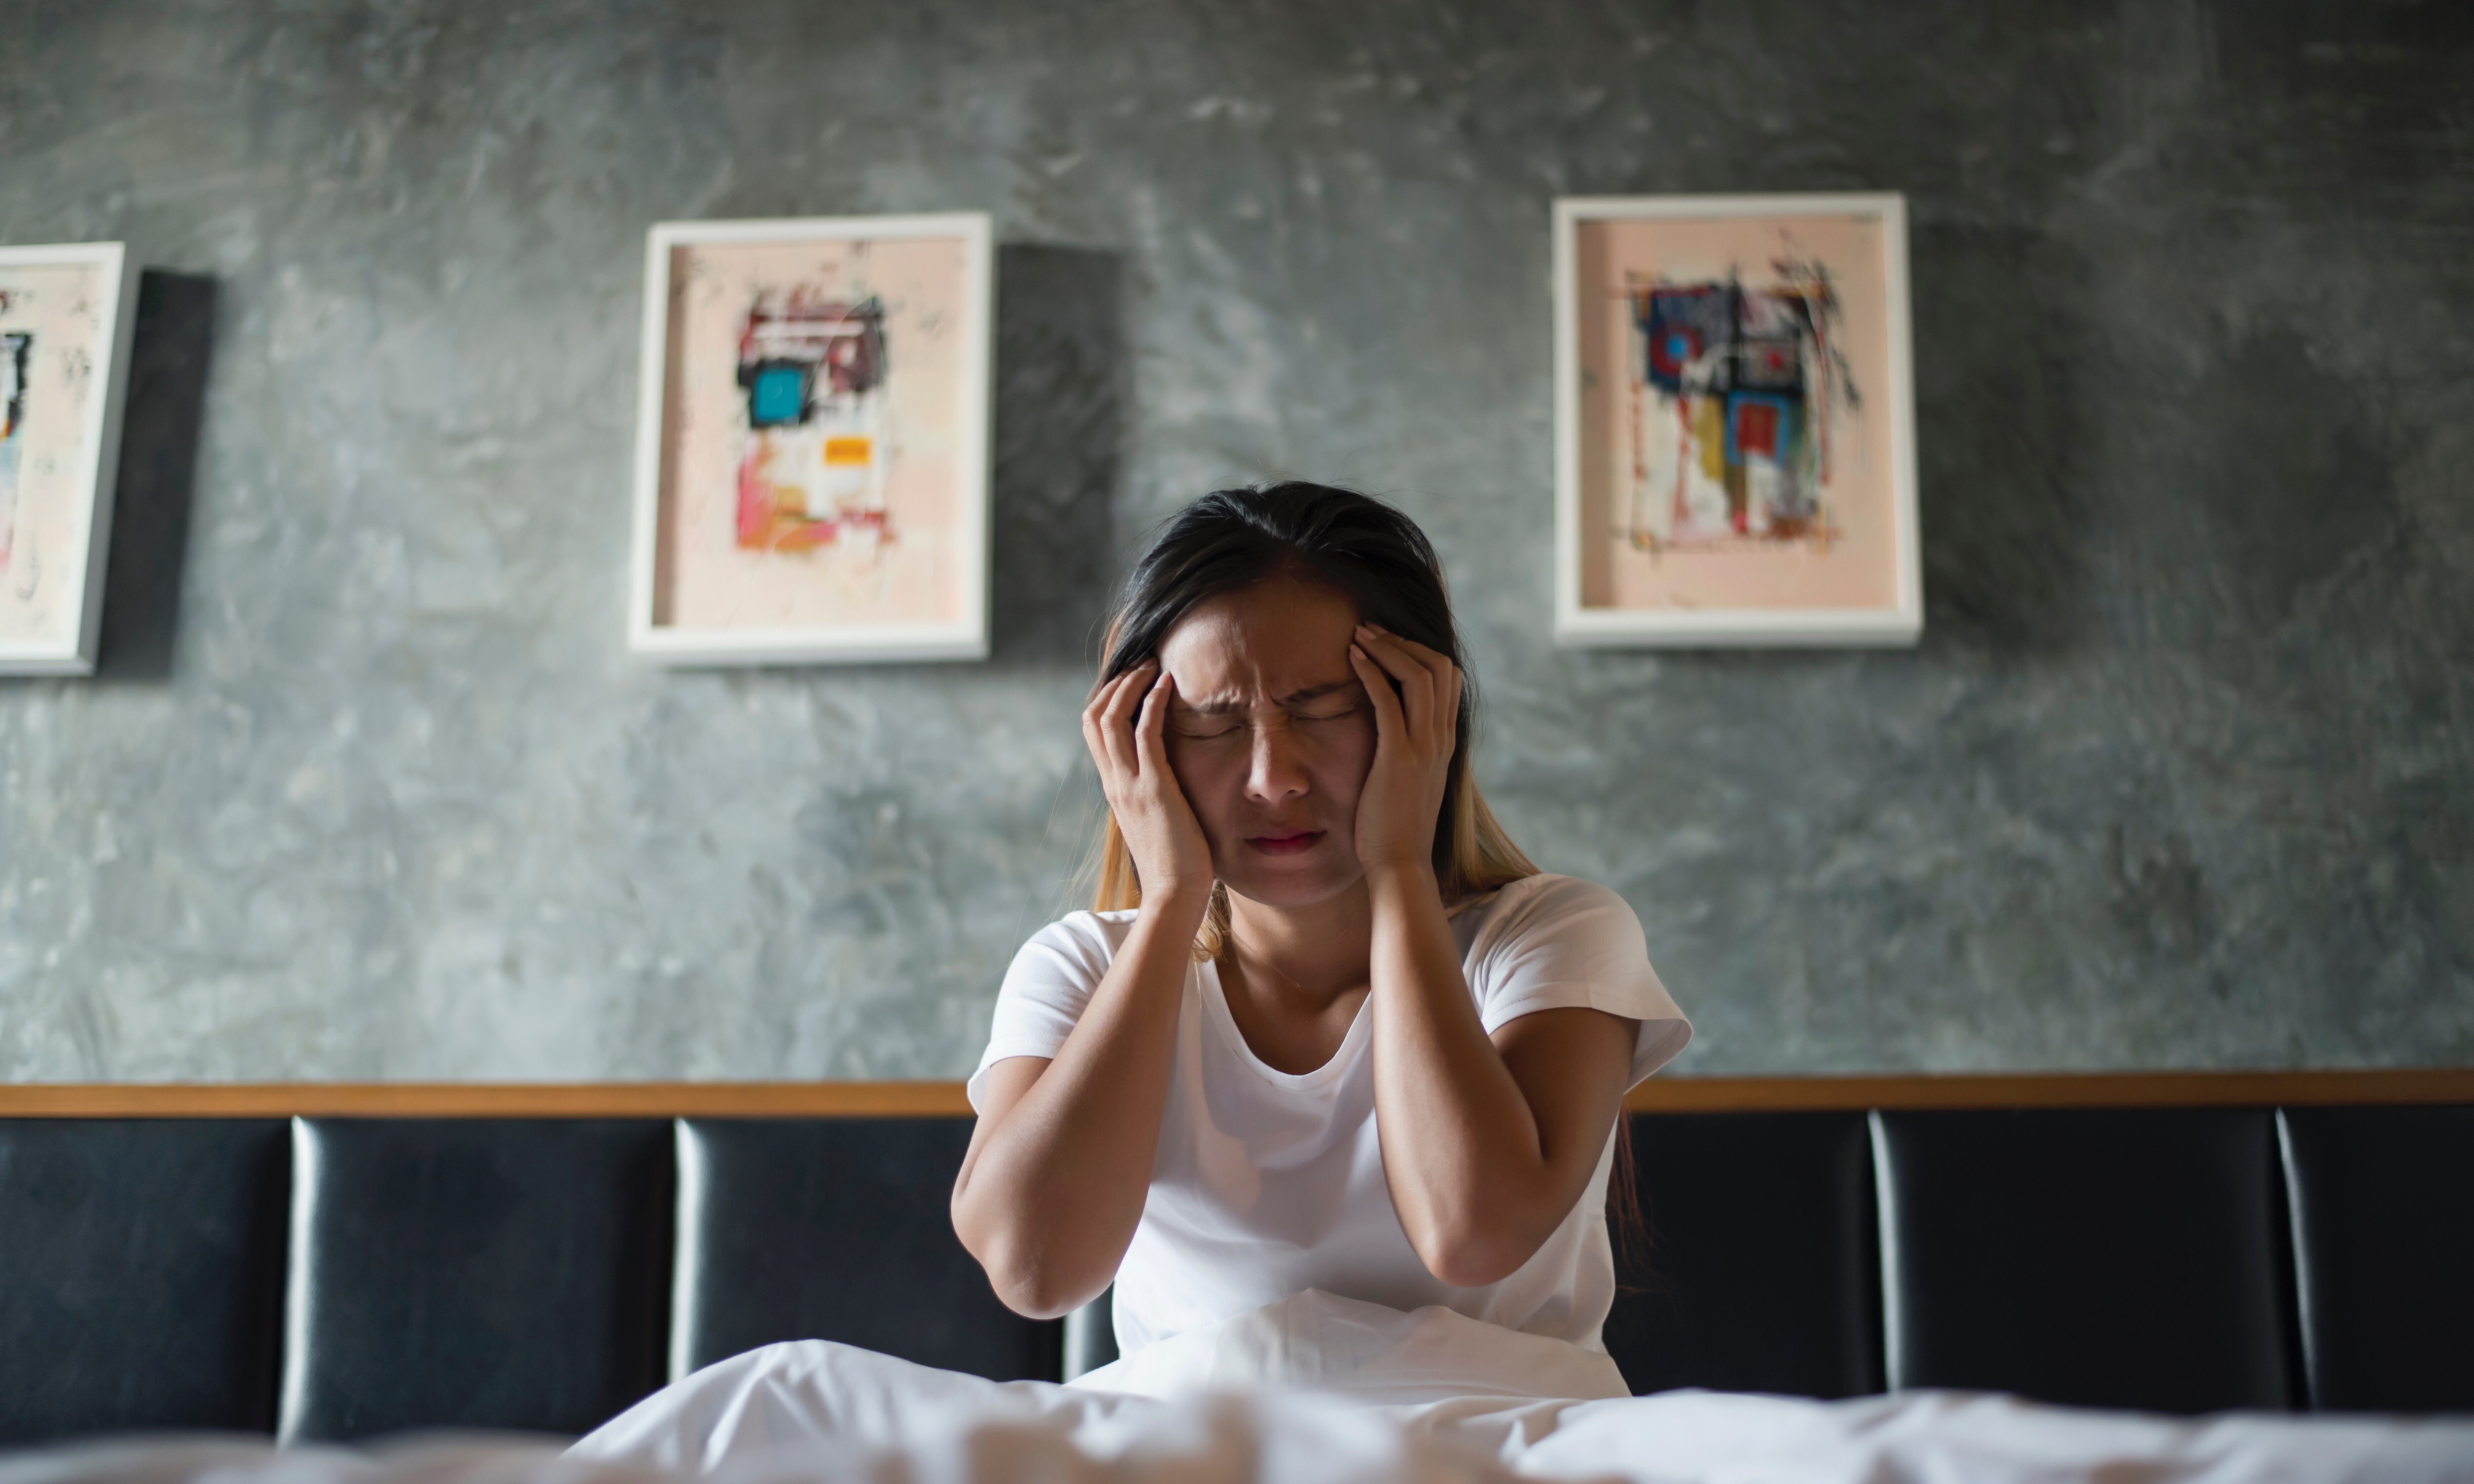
[
  {"x": 1734, "y": 423},
  {"x": 65, "y": 316},
  {"x": 812, "y": 449}
]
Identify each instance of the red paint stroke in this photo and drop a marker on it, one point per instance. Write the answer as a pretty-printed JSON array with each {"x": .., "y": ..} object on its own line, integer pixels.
[{"x": 1756, "y": 428}]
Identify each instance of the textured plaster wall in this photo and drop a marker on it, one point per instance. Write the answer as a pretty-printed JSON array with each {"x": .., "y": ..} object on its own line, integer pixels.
[{"x": 2182, "y": 775}]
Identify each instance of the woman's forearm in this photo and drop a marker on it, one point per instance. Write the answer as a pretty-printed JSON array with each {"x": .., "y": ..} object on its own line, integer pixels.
[
  {"x": 1473, "y": 1174},
  {"x": 1054, "y": 1184}
]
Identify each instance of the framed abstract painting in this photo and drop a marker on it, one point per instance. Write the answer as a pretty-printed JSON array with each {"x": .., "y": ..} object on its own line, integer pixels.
[
  {"x": 1735, "y": 421},
  {"x": 811, "y": 454},
  {"x": 65, "y": 316}
]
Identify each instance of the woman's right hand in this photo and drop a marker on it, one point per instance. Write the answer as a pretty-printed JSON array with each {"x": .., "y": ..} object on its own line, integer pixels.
[
  {"x": 1060, "y": 1162},
  {"x": 1126, "y": 728}
]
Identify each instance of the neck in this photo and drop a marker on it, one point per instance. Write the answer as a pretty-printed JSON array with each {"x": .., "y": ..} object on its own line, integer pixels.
[{"x": 1318, "y": 951}]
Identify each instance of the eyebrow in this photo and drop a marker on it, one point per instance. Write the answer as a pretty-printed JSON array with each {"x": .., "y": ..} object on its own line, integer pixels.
[{"x": 1292, "y": 698}]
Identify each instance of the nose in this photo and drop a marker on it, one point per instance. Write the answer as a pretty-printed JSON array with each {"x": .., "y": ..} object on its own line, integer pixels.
[{"x": 1276, "y": 773}]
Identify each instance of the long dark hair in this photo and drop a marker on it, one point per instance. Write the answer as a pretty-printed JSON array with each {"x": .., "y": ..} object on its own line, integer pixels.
[{"x": 1369, "y": 554}]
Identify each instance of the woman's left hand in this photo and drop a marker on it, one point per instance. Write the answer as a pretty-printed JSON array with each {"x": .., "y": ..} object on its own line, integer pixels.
[{"x": 1414, "y": 733}]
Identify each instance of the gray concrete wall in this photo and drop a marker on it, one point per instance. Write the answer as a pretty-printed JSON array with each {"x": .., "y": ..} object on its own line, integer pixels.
[{"x": 2182, "y": 775}]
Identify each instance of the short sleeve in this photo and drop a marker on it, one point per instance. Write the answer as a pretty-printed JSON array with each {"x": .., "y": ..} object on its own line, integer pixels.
[
  {"x": 1045, "y": 988},
  {"x": 1556, "y": 943}
]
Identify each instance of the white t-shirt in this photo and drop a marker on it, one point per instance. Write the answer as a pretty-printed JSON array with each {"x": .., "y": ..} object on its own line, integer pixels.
[{"x": 1270, "y": 1184}]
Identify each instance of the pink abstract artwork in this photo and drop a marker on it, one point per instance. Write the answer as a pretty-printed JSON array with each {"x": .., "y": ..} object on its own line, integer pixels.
[
  {"x": 48, "y": 324},
  {"x": 66, "y": 313},
  {"x": 818, "y": 476},
  {"x": 1737, "y": 425}
]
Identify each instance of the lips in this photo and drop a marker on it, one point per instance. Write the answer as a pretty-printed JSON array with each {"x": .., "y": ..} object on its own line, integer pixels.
[{"x": 1287, "y": 842}]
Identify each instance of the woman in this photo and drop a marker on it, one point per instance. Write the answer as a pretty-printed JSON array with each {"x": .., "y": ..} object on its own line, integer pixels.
[{"x": 1327, "y": 1083}]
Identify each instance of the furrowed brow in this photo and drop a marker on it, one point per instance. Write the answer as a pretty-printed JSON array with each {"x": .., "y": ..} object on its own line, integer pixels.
[
  {"x": 1315, "y": 692},
  {"x": 1232, "y": 707}
]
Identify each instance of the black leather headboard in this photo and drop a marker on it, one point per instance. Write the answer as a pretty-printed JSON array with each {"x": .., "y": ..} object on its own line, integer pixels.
[
  {"x": 337, "y": 1278},
  {"x": 800, "y": 1228},
  {"x": 2382, "y": 1208},
  {"x": 500, "y": 1273},
  {"x": 141, "y": 1274},
  {"x": 2105, "y": 1258},
  {"x": 1755, "y": 1267}
]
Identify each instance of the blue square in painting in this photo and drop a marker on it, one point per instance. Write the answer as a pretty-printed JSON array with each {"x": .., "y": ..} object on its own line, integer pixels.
[{"x": 780, "y": 395}]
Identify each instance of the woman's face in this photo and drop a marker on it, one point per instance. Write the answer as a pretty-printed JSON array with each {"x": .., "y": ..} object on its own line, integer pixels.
[{"x": 1272, "y": 736}]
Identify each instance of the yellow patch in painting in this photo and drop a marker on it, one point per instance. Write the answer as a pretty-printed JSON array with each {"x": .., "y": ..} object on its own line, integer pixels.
[
  {"x": 1709, "y": 434},
  {"x": 848, "y": 450}
]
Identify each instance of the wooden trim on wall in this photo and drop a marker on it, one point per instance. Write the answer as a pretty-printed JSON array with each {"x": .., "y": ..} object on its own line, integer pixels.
[
  {"x": 2051, "y": 1089},
  {"x": 945, "y": 1099},
  {"x": 486, "y": 1100}
]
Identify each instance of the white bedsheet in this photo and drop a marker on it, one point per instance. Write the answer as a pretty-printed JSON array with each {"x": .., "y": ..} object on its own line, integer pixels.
[
  {"x": 1290, "y": 1438},
  {"x": 1318, "y": 1389},
  {"x": 1323, "y": 1390}
]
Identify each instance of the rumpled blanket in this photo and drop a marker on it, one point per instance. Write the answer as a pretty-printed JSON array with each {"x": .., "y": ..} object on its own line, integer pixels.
[
  {"x": 1316, "y": 1390},
  {"x": 1267, "y": 1437}
]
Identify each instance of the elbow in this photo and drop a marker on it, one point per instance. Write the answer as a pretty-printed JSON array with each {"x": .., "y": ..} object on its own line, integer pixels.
[
  {"x": 1032, "y": 1293},
  {"x": 1473, "y": 1255},
  {"x": 1022, "y": 1277}
]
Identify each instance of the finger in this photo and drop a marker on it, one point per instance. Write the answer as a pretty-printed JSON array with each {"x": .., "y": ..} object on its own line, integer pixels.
[
  {"x": 1095, "y": 741},
  {"x": 1434, "y": 660},
  {"x": 1128, "y": 707},
  {"x": 1102, "y": 696},
  {"x": 1094, "y": 736},
  {"x": 1115, "y": 702},
  {"x": 1388, "y": 723},
  {"x": 1423, "y": 653},
  {"x": 1417, "y": 681},
  {"x": 1150, "y": 731},
  {"x": 1448, "y": 679},
  {"x": 1117, "y": 722},
  {"x": 1449, "y": 682}
]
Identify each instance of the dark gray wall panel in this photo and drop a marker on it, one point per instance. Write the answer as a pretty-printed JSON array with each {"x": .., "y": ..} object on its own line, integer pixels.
[
  {"x": 475, "y": 1273},
  {"x": 2182, "y": 776},
  {"x": 1757, "y": 1269},
  {"x": 2116, "y": 1258},
  {"x": 2382, "y": 1230},
  {"x": 835, "y": 1228},
  {"x": 141, "y": 1275},
  {"x": 1091, "y": 1335}
]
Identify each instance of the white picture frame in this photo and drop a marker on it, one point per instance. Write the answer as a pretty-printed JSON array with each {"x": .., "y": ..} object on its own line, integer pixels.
[
  {"x": 1617, "y": 580},
  {"x": 661, "y": 626},
  {"x": 57, "y": 483}
]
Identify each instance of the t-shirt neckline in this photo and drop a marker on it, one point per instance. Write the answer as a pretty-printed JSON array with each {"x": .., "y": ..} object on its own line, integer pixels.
[{"x": 1215, "y": 1001}]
